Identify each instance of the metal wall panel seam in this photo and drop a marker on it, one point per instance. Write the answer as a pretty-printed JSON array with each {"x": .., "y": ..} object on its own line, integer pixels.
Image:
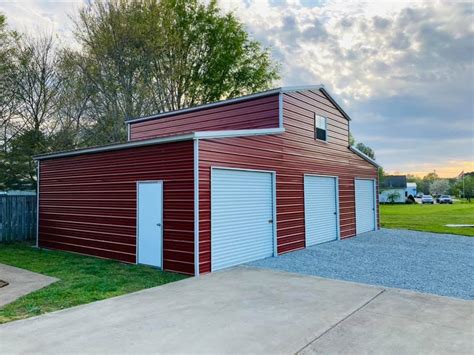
[{"x": 196, "y": 207}]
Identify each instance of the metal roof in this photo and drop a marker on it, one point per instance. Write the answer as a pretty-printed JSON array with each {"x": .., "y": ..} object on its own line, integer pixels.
[
  {"x": 394, "y": 182},
  {"x": 276, "y": 91}
]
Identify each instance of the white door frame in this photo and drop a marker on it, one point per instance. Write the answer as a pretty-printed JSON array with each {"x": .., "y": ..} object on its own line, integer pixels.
[
  {"x": 138, "y": 216},
  {"x": 374, "y": 182},
  {"x": 338, "y": 212},
  {"x": 274, "y": 207}
]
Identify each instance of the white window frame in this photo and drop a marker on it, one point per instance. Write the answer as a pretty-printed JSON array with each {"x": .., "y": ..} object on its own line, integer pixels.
[{"x": 316, "y": 127}]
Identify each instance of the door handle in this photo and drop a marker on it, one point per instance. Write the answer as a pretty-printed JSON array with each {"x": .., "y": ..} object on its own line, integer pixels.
[
  {"x": 270, "y": 221},
  {"x": 158, "y": 224}
]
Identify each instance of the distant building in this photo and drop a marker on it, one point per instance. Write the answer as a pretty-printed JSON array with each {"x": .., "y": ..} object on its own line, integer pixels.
[
  {"x": 411, "y": 189},
  {"x": 396, "y": 185}
]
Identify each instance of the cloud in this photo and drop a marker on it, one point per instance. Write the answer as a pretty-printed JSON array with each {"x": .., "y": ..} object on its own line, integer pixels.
[{"x": 403, "y": 70}]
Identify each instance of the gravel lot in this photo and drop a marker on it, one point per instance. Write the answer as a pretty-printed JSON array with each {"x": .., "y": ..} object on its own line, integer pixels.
[{"x": 441, "y": 264}]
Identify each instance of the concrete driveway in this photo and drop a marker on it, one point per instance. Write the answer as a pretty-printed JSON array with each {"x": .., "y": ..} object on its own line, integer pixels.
[
  {"x": 20, "y": 282},
  {"x": 245, "y": 310}
]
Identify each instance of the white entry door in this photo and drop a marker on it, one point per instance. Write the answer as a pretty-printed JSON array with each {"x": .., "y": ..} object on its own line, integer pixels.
[
  {"x": 150, "y": 223},
  {"x": 242, "y": 206},
  {"x": 321, "y": 209},
  {"x": 365, "y": 205}
]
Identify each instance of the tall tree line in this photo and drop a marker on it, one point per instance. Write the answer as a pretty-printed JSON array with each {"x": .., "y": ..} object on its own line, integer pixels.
[{"x": 133, "y": 59}]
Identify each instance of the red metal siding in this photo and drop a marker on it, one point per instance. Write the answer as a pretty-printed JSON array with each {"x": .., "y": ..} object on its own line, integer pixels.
[
  {"x": 256, "y": 113},
  {"x": 88, "y": 202},
  {"x": 291, "y": 155}
]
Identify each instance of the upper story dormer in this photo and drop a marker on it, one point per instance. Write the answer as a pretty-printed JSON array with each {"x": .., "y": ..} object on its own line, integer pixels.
[{"x": 308, "y": 113}]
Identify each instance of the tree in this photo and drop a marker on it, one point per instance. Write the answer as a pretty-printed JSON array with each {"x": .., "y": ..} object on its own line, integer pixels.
[
  {"x": 393, "y": 197},
  {"x": 366, "y": 150},
  {"x": 465, "y": 187},
  {"x": 8, "y": 75},
  {"x": 381, "y": 174},
  {"x": 144, "y": 57},
  {"x": 37, "y": 84},
  {"x": 352, "y": 141},
  {"x": 428, "y": 179},
  {"x": 439, "y": 187},
  {"x": 17, "y": 169}
]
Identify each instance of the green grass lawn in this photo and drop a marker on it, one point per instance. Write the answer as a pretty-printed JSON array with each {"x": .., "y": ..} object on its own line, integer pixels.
[
  {"x": 429, "y": 218},
  {"x": 82, "y": 279}
]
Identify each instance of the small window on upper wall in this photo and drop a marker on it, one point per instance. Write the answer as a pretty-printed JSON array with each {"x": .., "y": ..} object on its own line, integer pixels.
[{"x": 321, "y": 128}]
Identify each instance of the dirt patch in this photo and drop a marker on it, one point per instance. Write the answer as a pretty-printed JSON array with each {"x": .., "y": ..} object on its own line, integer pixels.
[{"x": 3, "y": 283}]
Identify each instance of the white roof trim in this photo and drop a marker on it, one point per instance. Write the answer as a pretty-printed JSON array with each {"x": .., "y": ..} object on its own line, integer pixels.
[
  {"x": 162, "y": 140},
  {"x": 238, "y": 133},
  {"x": 364, "y": 156},
  {"x": 279, "y": 90}
]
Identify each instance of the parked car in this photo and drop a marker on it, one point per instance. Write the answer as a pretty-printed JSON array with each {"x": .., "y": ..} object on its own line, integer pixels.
[
  {"x": 445, "y": 199},
  {"x": 427, "y": 199}
]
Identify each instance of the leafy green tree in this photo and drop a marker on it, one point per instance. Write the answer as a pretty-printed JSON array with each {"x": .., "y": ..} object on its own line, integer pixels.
[
  {"x": 143, "y": 57},
  {"x": 439, "y": 187},
  {"x": 352, "y": 141},
  {"x": 465, "y": 189},
  {"x": 366, "y": 150},
  {"x": 427, "y": 180},
  {"x": 381, "y": 174},
  {"x": 8, "y": 76},
  {"x": 17, "y": 169},
  {"x": 393, "y": 197}
]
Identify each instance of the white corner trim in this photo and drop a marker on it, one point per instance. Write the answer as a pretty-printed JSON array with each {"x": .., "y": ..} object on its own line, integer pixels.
[
  {"x": 128, "y": 132},
  {"x": 237, "y": 133},
  {"x": 280, "y": 110},
  {"x": 37, "y": 201},
  {"x": 196, "y": 207},
  {"x": 301, "y": 88}
]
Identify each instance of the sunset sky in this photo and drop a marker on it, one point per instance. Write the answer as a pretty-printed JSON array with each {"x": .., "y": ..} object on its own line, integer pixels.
[{"x": 404, "y": 71}]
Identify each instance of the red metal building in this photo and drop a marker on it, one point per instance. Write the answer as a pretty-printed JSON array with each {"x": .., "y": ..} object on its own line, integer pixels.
[{"x": 213, "y": 186}]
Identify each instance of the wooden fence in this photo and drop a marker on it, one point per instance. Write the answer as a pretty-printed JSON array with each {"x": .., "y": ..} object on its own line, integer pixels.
[{"x": 17, "y": 217}]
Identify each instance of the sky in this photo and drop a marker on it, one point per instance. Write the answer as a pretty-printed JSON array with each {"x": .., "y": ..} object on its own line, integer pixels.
[{"x": 403, "y": 70}]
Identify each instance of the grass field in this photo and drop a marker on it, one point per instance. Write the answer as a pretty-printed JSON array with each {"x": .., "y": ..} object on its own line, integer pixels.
[
  {"x": 82, "y": 280},
  {"x": 429, "y": 218}
]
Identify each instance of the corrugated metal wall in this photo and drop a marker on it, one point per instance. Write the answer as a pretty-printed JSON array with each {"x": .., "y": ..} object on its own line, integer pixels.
[
  {"x": 291, "y": 155},
  {"x": 88, "y": 202},
  {"x": 256, "y": 113}
]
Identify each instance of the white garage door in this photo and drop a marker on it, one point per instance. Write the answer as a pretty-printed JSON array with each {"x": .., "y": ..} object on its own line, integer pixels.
[
  {"x": 241, "y": 217},
  {"x": 321, "y": 211},
  {"x": 365, "y": 205}
]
